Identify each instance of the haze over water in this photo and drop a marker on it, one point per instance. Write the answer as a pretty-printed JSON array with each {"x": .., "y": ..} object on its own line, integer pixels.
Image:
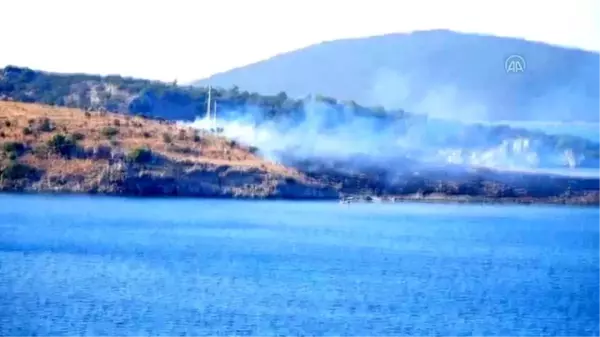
[{"x": 118, "y": 266}]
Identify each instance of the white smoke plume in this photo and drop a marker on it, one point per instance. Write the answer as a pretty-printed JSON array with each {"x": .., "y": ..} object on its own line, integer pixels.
[{"x": 440, "y": 133}]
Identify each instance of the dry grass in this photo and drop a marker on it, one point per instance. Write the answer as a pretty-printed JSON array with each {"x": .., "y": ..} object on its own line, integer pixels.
[{"x": 175, "y": 142}]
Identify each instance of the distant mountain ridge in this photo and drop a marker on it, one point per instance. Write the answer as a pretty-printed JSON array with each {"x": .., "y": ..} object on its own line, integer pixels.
[
  {"x": 441, "y": 73},
  {"x": 157, "y": 99}
]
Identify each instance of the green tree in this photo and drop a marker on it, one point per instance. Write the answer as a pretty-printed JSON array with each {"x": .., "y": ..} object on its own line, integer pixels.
[
  {"x": 15, "y": 148},
  {"x": 62, "y": 145},
  {"x": 15, "y": 171},
  {"x": 140, "y": 155},
  {"x": 109, "y": 131}
]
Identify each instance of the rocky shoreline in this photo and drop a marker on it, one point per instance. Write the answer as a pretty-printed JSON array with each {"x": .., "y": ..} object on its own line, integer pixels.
[
  {"x": 193, "y": 180},
  {"x": 591, "y": 200},
  {"x": 170, "y": 179},
  {"x": 443, "y": 199}
]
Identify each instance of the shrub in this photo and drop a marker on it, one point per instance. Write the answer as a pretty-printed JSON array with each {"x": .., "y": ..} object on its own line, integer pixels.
[
  {"x": 27, "y": 131},
  {"x": 109, "y": 131},
  {"x": 146, "y": 134},
  {"x": 197, "y": 138},
  {"x": 46, "y": 125},
  {"x": 88, "y": 114},
  {"x": 77, "y": 136},
  {"x": 116, "y": 122},
  {"x": 181, "y": 135},
  {"x": 14, "y": 171},
  {"x": 14, "y": 148},
  {"x": 167, "y": 138},
  {"x": 102, "y": 152},
  {"x": 140, "y": 155},
  {"x": 7, "y": 123},
  {"x": 62, "y": 145},
  {"x": 253, "y": 149}
]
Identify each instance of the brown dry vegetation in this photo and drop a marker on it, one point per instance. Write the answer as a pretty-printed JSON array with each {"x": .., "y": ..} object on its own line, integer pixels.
[
  {"x": 50, "y": 149},
  {"x": 21, "y": 122}
]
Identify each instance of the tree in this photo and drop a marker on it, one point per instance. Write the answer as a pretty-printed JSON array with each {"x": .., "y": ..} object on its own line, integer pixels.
[
  {"x": 15, "y": 148},
  {"x": 140, "y": 155},
  {"x": 109, "y": 131},
  {"x": 62, "y": 145},
  {"x": 15, "y": 171}
]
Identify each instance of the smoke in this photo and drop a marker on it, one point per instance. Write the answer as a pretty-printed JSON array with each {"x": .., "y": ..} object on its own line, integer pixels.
[
  {"x": 323, "y": 132},
  {"x": 335, "y": 134},
  {"x": 394, "y": 91},
  {"x": 439, "y": 131}
]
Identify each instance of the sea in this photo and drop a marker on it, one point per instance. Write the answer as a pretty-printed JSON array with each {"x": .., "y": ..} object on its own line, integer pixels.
[{"x": 90, "y": 265}]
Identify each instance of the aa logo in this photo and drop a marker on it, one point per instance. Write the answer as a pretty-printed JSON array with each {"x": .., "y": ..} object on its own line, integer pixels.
[{"x": 515, "y": 64}]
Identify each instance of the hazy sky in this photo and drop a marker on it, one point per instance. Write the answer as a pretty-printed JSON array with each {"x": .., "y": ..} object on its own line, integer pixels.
[{"x": 188, "y": 40}]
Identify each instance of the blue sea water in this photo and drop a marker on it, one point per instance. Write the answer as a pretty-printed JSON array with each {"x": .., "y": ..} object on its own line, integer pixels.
[{"x": 119, "y": 266}]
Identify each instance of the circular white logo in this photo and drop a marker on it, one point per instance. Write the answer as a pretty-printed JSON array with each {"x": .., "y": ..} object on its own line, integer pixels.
[{"x": 515, "y": 64}]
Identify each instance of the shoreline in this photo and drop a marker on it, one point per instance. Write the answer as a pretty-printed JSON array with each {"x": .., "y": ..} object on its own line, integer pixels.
[{"x": 388, "y": 200}]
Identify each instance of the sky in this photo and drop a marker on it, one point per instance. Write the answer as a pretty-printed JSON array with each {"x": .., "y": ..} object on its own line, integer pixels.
[{"x": 187, "y": 40}]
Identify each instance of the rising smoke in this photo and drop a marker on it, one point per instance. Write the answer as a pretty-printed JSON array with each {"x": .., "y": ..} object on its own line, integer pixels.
[{"x": 441, "y": 132}]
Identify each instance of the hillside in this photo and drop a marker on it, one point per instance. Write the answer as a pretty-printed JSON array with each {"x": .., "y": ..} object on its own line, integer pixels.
[
  {"x": 153, "y": 98},
  {"x": 441, "y": 73},
  {"x": 319, "y": 115},
  {"x": 118, "y": 135},
  {"x": 48, "y": 149}
]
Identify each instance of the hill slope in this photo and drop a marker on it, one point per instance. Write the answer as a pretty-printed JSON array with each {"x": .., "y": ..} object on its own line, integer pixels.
[
  {"x": 47, "y": 149},
  {"x": 322, "y": 142},
  {"x": 150, "y": 98},
  {"x": 439, "y": 72}
]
